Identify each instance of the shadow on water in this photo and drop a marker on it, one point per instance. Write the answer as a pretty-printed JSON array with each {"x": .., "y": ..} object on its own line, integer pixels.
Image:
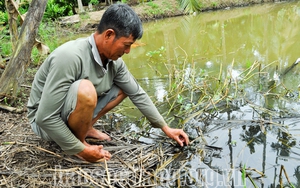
[{"x": 241, "y": 113}]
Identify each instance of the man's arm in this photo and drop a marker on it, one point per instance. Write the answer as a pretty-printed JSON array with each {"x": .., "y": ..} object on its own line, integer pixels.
[
  {"x": 58, "y": 73},
  {"x": 142, "y": 101}
]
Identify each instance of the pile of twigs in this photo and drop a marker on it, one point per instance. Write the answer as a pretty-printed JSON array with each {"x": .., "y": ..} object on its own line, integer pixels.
[{"x": 133, "y": 164}]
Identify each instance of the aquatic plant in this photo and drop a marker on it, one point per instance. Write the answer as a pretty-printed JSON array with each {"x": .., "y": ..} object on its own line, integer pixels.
[{"x": 194, "y": 93}]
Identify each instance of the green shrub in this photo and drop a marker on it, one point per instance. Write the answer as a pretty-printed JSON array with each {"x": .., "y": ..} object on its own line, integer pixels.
[
  {"x": 24, "y": 7},
  {"x": 3, "y": 18},
  {"x": 190, "y": 6},
  {"x": 5, "y": 48},
  {"x": 2, "y": 6},
  {"x": 54, "y": 10},
  {"x": 94, "y": 2}
]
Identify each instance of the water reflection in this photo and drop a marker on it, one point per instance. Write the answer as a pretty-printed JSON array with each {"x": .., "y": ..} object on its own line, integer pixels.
[
  {"x": 286, "y": 142},
  {"x": 252, "y": 135},
  {"x": 263, "y": 152}
]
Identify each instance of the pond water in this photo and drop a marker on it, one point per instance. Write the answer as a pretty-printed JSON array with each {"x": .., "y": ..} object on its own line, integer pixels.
[
  {"x": 218, "y": 42},
  {"x": 224, "y": 44},
  {"x": 266, "y": 33}
]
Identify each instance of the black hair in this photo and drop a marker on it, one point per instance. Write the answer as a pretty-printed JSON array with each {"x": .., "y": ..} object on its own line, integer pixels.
[{"x": 123, "y": 20}]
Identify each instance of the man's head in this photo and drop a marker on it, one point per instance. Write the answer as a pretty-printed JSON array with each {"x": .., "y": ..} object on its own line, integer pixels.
[{"x": 123, "y": 20}]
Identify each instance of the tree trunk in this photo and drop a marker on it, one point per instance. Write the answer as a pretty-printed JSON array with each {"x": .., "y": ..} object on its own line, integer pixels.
[
  {"x": 12, "y": 77},
  {"x": 13, "y": 13},
  {"x": 108, "y": 2},
  {"x": 80, "y": 6}
]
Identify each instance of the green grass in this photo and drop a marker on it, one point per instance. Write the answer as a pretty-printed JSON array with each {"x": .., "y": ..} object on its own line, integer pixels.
[{"x": 5, "y": 48}]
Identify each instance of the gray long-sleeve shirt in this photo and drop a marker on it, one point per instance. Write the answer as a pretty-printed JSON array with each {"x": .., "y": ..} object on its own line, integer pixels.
[{"x": 74, "y": 60}]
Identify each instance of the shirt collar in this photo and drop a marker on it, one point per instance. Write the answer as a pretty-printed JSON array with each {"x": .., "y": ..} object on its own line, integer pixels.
[{"x": 95, "y": 50}]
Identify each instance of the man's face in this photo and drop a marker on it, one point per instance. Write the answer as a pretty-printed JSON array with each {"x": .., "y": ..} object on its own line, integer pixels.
[{"x": 117, "y": 47}]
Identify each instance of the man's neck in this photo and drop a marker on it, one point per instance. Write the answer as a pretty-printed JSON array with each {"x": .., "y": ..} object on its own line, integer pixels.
[{"x": 104, "y": 62}]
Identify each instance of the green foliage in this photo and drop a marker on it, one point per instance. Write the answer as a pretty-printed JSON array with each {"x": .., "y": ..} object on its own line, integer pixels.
[
  {"x": 154, "y": 9},
  {"x": 180, "y": 99},
  {"x": 244, "y": 175},
  {"x": 94, "y": 2},
  {"x": 54, "y": 10},
  {"x": 152, "y": 5},
  {"x": 23, "y": 10},
  {"x": 190, "y": 6},
  {"x": 5, "y": 45},
  {"x": 167, "y": 5},
  {"x": 52, "y": 35},
  {"x": 156, "y": 53},
  {"x": 47, "y": 34},
  {"x": 24, "y": 7},
  {"x": 84, "y": 2},
  {"x": 2, "y": 6},
  {"x": 3, "y": 18},
  {"x": 5, "y": 48},
  {"x": 248, "y": 63},
  {"x": 84, "y": 16},
  {"x": 214, "y": 4}
]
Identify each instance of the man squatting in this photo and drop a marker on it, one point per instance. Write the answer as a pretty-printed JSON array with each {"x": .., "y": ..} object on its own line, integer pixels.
[{"x": 83, "y": 79}]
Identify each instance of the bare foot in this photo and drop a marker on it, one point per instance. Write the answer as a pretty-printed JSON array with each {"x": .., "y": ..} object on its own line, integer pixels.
[{"x": 94, "y": 133}]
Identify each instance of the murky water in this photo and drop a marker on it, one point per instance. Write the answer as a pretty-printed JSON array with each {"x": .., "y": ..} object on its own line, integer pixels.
[
  {"x": 266, "y": 33},
  {"x": 231, "y": 39},
  {"x": 221, "y": 41}
]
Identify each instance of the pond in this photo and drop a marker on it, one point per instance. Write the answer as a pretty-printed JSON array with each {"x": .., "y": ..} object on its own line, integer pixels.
[
  {"x": 266, "y": 33},
  {"x": 258, "y": 137},
  {"x": 239, "y": 96}
]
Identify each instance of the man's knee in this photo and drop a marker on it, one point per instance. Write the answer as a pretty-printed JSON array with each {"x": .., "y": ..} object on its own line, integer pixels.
[{"x": 87, "y": 93}]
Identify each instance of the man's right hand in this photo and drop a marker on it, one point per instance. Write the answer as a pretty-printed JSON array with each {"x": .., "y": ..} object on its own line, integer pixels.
[{"x": 93, "y": 153}]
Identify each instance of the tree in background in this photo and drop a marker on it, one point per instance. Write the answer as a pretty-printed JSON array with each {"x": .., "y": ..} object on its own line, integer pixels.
[
  {"x": 190, "y": 6},
  {"x": 12, "y": 77},
  {"x": 80, "y": 6}
]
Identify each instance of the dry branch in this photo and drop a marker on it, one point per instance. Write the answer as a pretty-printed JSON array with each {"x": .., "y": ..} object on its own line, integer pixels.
[
  {"x": 7, "y": 108},
  {"x": 11, "y": 109}
]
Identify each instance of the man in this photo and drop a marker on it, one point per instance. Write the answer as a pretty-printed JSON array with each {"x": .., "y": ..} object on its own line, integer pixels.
[{"x": 83, "y": 79}]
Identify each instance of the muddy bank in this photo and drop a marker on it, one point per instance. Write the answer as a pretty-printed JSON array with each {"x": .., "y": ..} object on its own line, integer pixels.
[{"x": 157, "y": 9}]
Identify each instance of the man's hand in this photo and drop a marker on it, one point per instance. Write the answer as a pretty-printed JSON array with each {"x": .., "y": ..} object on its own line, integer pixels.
[
  {"x": 176, "y": 134},
  {"x": 93, "y": 153}
]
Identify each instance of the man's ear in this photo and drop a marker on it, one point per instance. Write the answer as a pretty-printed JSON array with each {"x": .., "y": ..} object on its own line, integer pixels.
[{"x": 109, "y": 33}]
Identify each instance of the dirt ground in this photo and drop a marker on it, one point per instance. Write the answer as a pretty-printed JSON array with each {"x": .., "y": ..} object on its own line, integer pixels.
[
  {"x": 28, "y": 161},
  {"x": 163, "y": 9}
]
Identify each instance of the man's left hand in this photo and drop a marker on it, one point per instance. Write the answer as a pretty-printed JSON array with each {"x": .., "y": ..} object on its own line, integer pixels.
[{"x": 176, "y": 134}]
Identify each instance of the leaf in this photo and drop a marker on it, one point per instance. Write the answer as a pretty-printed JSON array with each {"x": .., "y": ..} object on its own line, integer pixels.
[{"x": 42, "y": 48}]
